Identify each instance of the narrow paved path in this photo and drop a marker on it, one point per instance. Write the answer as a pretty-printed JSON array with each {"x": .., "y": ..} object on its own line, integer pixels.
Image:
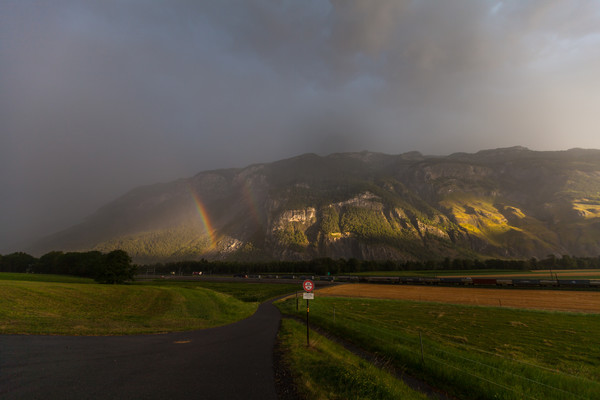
[{"x": 229, "y": 362}]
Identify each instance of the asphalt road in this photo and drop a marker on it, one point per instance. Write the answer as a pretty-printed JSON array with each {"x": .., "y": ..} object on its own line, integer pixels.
[{"x": 229, "y": 362}]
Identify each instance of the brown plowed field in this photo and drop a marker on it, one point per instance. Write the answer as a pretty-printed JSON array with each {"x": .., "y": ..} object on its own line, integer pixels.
[{"x": 559, "y": 300}]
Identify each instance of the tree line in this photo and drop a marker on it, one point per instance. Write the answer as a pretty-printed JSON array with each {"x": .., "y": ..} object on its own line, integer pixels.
[
  {"x": 112, "y": 267},
  {"x": 323, "y": 266},
  {"x": 117, "y": 267}
]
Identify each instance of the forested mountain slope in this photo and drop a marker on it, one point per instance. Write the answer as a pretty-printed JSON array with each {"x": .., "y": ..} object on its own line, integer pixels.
[{"x": 511, "y": 202}]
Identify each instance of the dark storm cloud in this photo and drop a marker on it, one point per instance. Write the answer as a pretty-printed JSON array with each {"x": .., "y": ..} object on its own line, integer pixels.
[{"x": 97, "y": 97}]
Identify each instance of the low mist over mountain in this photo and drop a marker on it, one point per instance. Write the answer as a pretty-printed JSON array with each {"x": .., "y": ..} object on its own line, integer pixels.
[{"x": 512, "y": 202}]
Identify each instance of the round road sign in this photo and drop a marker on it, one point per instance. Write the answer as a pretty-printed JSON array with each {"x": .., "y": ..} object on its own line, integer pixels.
[{"x": 308, "y": 285}]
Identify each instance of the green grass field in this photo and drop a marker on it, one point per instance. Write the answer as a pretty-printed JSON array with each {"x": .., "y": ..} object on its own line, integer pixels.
[
  {"x": 473, "y": 352},
  {"x": 93, "y": 309},
  {"x": 244, "y": 291},
  {"x": 55, "y": 304},
  {"x": 14, "y": 276},
  {"x": 328, "y": 371}
]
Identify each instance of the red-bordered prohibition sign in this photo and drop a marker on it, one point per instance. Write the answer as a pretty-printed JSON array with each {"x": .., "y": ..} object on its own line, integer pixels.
[{"x": 308, "y": 285}]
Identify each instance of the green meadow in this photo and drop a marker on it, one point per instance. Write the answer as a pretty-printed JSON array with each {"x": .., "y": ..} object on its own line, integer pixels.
[
  {"x": 54, "y": 304},
  {"x": 244, "y": 291},
  {"x": 15, "y": 276},
  {"x": 326, "y": 370},
  {"x": 94, "y": 309},
  {"x": 472, "y": 352}
]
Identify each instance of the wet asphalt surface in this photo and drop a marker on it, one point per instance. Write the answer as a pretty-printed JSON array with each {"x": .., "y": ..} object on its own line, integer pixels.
[{"x": 229, "y": 362}]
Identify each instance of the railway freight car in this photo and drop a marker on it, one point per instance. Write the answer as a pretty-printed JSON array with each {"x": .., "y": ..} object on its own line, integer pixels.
[
  {"x": 526, "y": 282},
  {"x": 382, "y": 279},
  {"x": 410, "y": 280},
  {"x": 346, "y": 278},
  {"x": 574, "y": 282},
  {"x": 484, "y": 281},
  {"x": 456, "y": 281}
]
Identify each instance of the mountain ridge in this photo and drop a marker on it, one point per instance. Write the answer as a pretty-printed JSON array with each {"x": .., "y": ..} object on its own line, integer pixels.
[{"x": 510, "y": 202}]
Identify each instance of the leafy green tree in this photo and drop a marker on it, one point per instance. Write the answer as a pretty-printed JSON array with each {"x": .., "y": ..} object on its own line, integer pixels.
[
  {"x": 568, "y": 262},
  {"x": 117, "y": 268},
  {"x": 17, "y": 262},
  {"x": 50, "y": 263},
  {"x": 81, "y": 264}
]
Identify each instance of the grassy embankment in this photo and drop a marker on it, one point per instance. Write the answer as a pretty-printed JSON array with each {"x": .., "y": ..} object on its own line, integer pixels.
[
  {"x": 473, "y": 352},
  {"x": 37, "y": 304},
  {"x": 15, "y": 276},
  {"x": 328, "y": 371}
]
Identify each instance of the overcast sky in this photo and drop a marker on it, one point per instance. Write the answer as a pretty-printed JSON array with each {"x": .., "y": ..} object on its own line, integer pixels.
[{"x": 99, "y": 97}]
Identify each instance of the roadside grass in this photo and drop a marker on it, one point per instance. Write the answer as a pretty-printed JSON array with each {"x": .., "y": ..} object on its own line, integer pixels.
[
  {"x": 17, "y": 276},
  {"x": 326, "y": 370},
  {"x": 243, "y": 291},
  {"x": 473, "y": 352},
  {"x": 30, "y": 307}
]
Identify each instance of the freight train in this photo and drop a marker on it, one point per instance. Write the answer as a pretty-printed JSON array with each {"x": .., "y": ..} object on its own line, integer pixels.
[
  {"x": 487, "y": 281},
  {"x": 447, "y": 281}
]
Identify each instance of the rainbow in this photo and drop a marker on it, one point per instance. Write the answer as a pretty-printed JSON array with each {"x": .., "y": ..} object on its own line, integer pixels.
[{"x": 203, "y": 216}]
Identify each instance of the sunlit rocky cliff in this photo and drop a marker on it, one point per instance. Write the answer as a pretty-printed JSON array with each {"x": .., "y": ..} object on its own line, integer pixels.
[{"x": 512, "y": 202}]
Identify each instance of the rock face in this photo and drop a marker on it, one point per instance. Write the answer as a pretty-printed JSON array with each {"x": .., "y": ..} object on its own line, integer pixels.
[{"x": 501, "y": 203}]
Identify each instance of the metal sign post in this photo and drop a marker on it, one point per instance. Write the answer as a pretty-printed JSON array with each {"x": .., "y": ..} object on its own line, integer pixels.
[
  {"x": 307, "y": 330},
  {"x": 308, "y": 287}
]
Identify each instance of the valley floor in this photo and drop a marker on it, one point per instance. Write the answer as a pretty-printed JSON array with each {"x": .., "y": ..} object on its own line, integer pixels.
[{"x": 556, "y": 300}]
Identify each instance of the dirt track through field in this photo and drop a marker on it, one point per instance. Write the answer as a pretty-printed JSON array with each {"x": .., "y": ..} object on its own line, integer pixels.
[{"x": 557, "y": 300}]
